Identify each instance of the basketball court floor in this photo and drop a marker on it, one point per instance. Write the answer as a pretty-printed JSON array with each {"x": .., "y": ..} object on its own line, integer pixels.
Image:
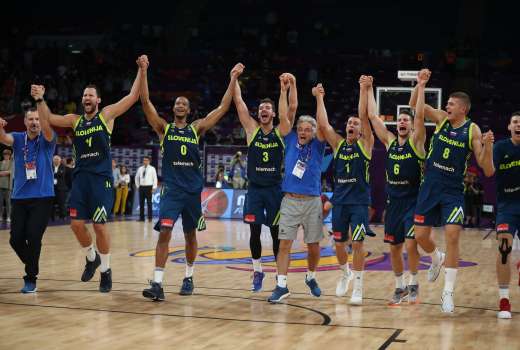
[{"x": 223, "y": 314}]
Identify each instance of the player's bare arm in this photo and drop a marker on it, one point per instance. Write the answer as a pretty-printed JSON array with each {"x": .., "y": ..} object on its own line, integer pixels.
[
  {"x": 157, "y": 123},
  {"x": 328, "y": 132},
  {"x": 202, "y": 125}
]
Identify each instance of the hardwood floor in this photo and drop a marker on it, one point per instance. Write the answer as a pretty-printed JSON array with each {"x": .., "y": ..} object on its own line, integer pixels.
[{"x": 224, "y": 314}]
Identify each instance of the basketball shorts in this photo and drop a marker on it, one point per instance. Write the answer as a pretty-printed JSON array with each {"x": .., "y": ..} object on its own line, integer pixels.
[
  {"x": 175, "y": 202},
  {"x": 437, "y": 203},
  {"x": 91, "y": 197},
  {"x": 262, "y": 205},
  {"x": 399, "y": 217},
  {"x": 353, "y": 216}
]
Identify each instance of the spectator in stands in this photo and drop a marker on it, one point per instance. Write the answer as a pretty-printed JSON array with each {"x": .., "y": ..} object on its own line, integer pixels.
[
  {"x": 145, "y": 183},
  {"x": 238, "y": 171},
  {"x": 473, "y": 198},
  {"x": 121, "y": 184},
  {"x": 60, "y": 188},
  {"x": 6, "y": 184}
]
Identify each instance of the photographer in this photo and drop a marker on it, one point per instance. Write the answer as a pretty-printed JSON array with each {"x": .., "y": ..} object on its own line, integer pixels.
[{"x": 238, "y": 171}]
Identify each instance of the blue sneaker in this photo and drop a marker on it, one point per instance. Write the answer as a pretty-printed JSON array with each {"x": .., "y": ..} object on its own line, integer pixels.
[
  {"x": 258, "y": 278},
  {"x": 187, "y": 286},
  {"x": 313, "y": 286},
  {"x": 29, "y": 287},
  {"x": 278, "y": 295}
]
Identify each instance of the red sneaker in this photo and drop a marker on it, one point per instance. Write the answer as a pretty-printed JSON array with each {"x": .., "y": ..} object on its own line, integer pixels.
[
  {"x": 518, "y": 268},
  {"x": 505, "y": 309}
]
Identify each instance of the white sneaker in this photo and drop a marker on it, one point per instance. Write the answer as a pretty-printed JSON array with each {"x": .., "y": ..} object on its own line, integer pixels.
[
  {"x": 357, "y": 296},
  {"x": 447, "y": 302},
  {"x": 344, "y": 281},
  {"x": 435, "y": 269}
]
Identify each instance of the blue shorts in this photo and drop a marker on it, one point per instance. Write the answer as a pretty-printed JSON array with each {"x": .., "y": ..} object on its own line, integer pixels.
[
  {"x": 262, "y": 205},
  {"x": 438, "y": 204},
  {"x": 349, "y": 215},
  {"x": 508, "y": 223},
  {"x": 399, "y": 220},
  {"x": 91, "y": 197},
  {"x": 175, "y": 202}
]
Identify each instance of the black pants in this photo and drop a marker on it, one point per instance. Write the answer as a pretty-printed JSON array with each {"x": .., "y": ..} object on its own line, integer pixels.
[
  {"x": 29, "y": 219},
  {"x": 145, "y": 192},
  {"x": 60, "y": 196}
]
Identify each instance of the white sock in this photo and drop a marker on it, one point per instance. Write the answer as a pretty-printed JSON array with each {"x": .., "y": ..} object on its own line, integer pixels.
[
  {"x": 345, "y": 268},
  {"x": 158, "y": 274},
  {"x": 413, "y": 279},
  {"x": 310, "y": 275},
  {"x": 281, "y": 281},
  {"x": 257, "y": 265},
  {"x": 503, "y": 292},
  {"x": 436, "y": 256},
  {"x": 90, "y": 252},
  {"x": 358, "y": 278},
  {"x": 189, "y": 270},
  {"x": 105, "y": 262},
  {"x": 450, "y": 276},
  {"x": 399, "y": 281}
]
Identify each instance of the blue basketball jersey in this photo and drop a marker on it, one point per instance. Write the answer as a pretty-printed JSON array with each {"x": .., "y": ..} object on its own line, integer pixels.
[
  {"x": 351, "y": 176},
  {"x": 404, "y": 169},
  {"x": 506, "y": 158},
  {"x": 450, "y": 150},
  {"x": 181, "y": 164},
  {"x": 91, "y": 146},
  {"x": 264, "y": 158}
]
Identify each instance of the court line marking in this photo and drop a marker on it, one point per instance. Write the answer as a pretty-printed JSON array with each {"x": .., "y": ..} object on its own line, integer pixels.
[
  {"x": 247, "y": 290},
  {"x": 326, "y": 318}
]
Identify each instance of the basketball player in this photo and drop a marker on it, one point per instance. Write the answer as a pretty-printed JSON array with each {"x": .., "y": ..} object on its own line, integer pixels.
[
  {"x": 264, "y": 167},
  {"x": 506, "y": 159},
  {"x": 182, "y": 179},
  {"x": 351, "y": 194},
  {"x": 404, "y": 170},
  {"x": 92, "y": 194},
  {"x": 441, "y": 196}
]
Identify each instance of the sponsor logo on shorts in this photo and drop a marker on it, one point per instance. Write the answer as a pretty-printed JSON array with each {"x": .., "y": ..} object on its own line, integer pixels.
[
  {"x": 167, "y": 222},
  {"x": 419, "y": 219},
  {"x": 502, "y": 227},
  {"x": 337, "y": 235},
  {"x": 389, "y": 237},
  {"x": 73, "y": 212},
  {"x": 250, "y": 218}
]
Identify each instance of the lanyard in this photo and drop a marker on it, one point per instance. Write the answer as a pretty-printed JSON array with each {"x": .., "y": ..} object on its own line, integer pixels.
[
  {"x": 304, "y": 152},
  {"x": 26, "y": 150}
]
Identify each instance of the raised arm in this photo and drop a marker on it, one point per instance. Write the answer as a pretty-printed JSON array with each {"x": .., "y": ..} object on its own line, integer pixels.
[
  {"x": 419, "y": 130},
  {"x": 113, "y": 111},
  {"x": 202, "y": 125},
  {"x": 283, "y": 107},
  {"x": 37, "y": 92},
  {"x": 328, "y": 132},
  {"x": 157, "y": 123},
  {"x": 45, "y": 114},
  {"x": 366, "y": 93},
  {"x": 483, "y": 149},
  {"x": 293, "y": 98},
  {"x": 382, "y": 133},
  {"x": 435, "y": 115},
  {"x": 248, "y": 123},
  {"x": 5, "y": 138}
]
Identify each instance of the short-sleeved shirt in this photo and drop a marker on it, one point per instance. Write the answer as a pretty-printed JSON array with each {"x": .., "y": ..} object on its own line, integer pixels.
[
  {"x": 312, "y": 155},
  {"x": 37, "y": 150}
]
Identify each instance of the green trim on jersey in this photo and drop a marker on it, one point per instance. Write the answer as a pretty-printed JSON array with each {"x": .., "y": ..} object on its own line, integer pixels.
[{"x": 105, "y": 124}]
